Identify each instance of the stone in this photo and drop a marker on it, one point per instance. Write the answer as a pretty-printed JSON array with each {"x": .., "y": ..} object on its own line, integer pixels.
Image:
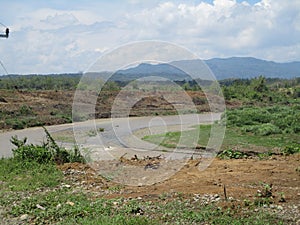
[
  {"x": 279, "y": 207},
  {"x": 40, "y": 207},
  {"x": 70, "y": 203},
  {"x": 24, "y": 217}
]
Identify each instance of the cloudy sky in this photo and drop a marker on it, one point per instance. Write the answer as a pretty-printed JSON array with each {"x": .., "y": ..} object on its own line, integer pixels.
[{"x": 68, "y": 36}]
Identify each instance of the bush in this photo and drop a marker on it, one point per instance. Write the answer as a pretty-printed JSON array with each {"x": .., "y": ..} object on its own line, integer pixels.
[
  {"x": 291, "y": 149},
  {"x": 30, "y": 152},
  {"x": 265, "y": 121},
  {"x": 263, "y": 129},
  {"x": 231, "y": 154},
  {"x": 48, "y": 152}
]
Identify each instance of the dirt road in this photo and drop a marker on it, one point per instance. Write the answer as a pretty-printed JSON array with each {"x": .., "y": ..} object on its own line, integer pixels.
[{"x": 117, "y": 132}]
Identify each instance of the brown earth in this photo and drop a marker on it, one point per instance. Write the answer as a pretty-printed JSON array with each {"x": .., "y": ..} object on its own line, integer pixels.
[
  {"x": 27, "y": 108},
  {"x": 243, "y": 179}
]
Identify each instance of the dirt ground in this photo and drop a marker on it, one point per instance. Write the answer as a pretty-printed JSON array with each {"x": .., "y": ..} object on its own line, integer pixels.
[
  {"x": 243, "y": 179},
  {"x": 50, "y": 107}
]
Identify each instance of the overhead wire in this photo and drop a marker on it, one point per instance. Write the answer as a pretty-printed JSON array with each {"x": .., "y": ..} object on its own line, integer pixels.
[
  {"x": 3, "y": 67},
  {"x": 0, "y": 60},
  {"x": 3, "y": 25}
]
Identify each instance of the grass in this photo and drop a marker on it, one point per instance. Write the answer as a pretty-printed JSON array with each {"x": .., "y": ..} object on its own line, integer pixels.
[
  {"x": 28, "y": 176},
  {"x": 234, "y": 138},
  {"x": 188, "y": 138},
  {"x": 247, "y": 127}
]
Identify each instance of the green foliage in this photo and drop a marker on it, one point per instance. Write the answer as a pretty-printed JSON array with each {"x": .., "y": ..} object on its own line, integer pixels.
[
  {"x": 48, "y": 152},
  {"x": 30, "y": 152},
  {"x": 265, "y": 121},
  {"x": 40, "y": 82},
  {"x": 290, "y": 149},
  {"x": 231, "y": 154},
  {"x": 261, "y": 91},
  {"x": 264, "y": 196},
  {"x": 263, "y": 129}
]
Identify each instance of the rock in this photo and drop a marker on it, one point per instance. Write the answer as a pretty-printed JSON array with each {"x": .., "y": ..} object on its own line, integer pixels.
[
  {"x": 24, "y": 217},
  {"x": 40, "y": 207},
  {"x": 279, "y": 207},
  {"x": 139, "y": 198},
  {"x": 70, "y": 203},
  {"x": 58, "y": 206}
]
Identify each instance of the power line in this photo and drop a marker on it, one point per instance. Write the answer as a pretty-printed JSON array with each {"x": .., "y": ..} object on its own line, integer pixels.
[
  {"x": 2, "y": 24},
  {"x": 3, "y": 67}
]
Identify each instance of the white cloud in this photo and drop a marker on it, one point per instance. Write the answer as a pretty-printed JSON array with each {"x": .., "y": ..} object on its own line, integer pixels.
[{"x": 48, "y": 39}]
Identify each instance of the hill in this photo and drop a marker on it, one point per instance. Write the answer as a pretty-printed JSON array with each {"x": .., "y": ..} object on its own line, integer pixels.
[{"x": 234, "y": 67}]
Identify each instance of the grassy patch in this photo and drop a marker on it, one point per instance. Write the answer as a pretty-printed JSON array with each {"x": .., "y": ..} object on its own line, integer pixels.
[
  {"x": 234, "y": 138},
  {"x": 182, "y": 139},
  {"x": 248, "y": 127},
  {"x": 28, "y": 176}
]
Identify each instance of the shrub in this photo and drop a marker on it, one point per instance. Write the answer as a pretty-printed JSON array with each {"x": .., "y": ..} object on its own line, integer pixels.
[
  {"x": 231, "y": 154},
  {"x": 265, "y": 121},
  {"x": 48, "y": 152},
  {"x": 25, "y": 152},
  {"x": 291, "y": 149}
]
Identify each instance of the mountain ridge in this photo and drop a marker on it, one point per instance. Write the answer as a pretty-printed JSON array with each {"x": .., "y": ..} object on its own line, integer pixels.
[{"x": 222, "y": 68}]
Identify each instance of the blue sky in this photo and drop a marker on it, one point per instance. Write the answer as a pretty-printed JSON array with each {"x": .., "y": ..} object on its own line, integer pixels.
[{"x": 67, "y": 36}]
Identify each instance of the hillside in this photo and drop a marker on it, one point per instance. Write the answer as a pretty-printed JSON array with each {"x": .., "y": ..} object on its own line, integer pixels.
[{"x": 235, "y": 67}]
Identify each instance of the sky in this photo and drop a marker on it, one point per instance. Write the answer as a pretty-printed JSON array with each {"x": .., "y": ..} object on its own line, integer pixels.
[{"x": 59, "y": 36}]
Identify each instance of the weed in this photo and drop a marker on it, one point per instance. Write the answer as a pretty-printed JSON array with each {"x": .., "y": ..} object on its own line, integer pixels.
[
  {"x": 265, "y": 155},
  {"x": 281, "y": 197},
  {"x": 100, "y": 129},
  {"x": 264, "y": 196},
  {"x": 231, "y": 154},
  {"x": 48, "y": 152},
  {"x": 22, "y": 176},
  {"x": 291, "y": 149},
  {"x": 92, "y": 133}
]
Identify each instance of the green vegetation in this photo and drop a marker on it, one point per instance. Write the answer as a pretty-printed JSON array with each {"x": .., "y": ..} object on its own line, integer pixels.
[
  {"x": 265, "y": 121},
  {"x": 246, "y": 128},
  {"x": 291, "y": 149},
  {"x": 16, "y": 175},
  {"x": 171, "y": 139},
  {"x": 40, "y": 82},
  {"x": 231, "y": 154},
  {"x": 48, "y": 152},
  {"x": 262, "y": 91}
]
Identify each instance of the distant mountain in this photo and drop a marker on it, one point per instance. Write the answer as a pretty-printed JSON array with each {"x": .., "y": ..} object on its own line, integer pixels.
[
  {"x": 247, "y": 67},
  {"x": 235, "y": 67},
  {"x": 145, "y": 69}
]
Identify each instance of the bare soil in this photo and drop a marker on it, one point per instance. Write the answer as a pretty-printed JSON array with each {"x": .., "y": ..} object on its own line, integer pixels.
[
  {"x": 50, "y": 107},
  {"x": 243, "y": 179}
]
